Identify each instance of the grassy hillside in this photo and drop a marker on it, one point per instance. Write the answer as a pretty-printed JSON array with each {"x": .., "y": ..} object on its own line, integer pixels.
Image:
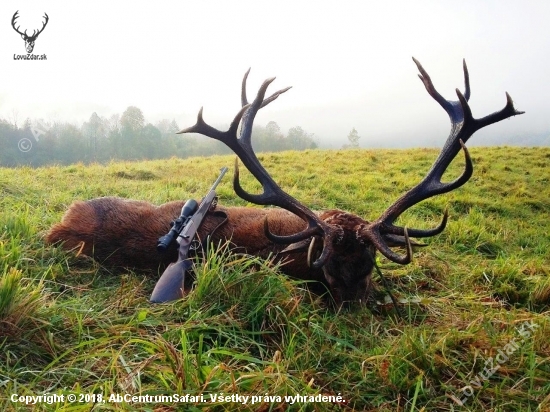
[{"x": 476, "y": 300}]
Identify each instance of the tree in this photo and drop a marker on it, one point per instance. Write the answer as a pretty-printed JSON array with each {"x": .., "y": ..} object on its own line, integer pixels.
[
  {"x": 167, "y": 127},
  {"x": 299, "y": 139},
  {"x": 150, "y": 142},
  {"x": 132, "y": 119},
  {"x": 71, "y": 144},
  {"x": 170, "y": 143},
  {"x": 132, "y": 122},
  {"x": 9, "y": 153},
  {"x": 353, "y": 138},
  {"x": 275, "y": 140},
  {"x": 95, "y": 130}
]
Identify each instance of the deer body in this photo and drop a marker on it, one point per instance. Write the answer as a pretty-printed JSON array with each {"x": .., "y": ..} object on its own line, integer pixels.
[
  {"x": 334, "y": 247},
  {"x": 123, "y": 233}
]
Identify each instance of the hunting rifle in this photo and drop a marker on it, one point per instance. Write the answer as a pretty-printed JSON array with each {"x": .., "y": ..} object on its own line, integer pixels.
[{"x": 170, "y": 286}]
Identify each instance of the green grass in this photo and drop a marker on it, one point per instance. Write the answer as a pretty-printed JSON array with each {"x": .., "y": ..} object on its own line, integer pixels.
[{"x": 68, "y": 325}]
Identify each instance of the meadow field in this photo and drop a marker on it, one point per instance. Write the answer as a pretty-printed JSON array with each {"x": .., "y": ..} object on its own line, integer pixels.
[{"x": 473, "y": 335}]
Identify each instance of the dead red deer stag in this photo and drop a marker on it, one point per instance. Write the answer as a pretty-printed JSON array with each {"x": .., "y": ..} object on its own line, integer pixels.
[{"x": 333, "y": 247}]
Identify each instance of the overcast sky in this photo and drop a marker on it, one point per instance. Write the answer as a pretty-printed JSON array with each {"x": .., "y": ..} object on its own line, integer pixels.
[{"x": 349, "y": 63}]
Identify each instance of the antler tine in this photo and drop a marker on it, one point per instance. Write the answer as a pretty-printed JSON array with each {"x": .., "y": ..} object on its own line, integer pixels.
[
  {"x": 447, "y": 105},
  {"x": 466, "y": 80},
  {"x": 250, "y": 115},
  {"x": 244, "y": 100},
  {"x": 463, "y": 126},
  {"x": 228, "y": 137}
]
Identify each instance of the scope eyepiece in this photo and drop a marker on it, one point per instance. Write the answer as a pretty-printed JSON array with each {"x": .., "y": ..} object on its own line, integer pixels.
[{"x": 164, "y": 242}]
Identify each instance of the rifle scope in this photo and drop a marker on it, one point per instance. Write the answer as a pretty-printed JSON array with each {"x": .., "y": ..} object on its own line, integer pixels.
[{"x": 187, "y": 211}]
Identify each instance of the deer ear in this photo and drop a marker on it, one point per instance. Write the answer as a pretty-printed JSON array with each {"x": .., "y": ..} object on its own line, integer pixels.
[{"x": 23, "y": 36}]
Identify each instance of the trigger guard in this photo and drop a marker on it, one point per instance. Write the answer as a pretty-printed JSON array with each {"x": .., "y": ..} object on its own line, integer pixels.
[{"x": 195, "y": 245}]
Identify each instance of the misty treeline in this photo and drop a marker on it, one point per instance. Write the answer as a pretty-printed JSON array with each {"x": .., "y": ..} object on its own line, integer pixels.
[{"x": 124, "y": 137}]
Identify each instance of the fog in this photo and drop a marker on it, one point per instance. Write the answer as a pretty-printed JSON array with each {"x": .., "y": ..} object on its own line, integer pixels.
[{"x": 349, "y": 63}]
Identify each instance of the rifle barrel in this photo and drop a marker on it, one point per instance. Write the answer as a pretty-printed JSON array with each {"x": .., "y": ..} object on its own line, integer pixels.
[{"x": 223, "y": 171}]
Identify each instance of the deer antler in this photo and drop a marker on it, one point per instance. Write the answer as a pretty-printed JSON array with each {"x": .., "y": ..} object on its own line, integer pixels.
[
  {"x": 463, "y": 126},
  {"x": 272, "y": 193},
  {"x": 35, "y": 33}
]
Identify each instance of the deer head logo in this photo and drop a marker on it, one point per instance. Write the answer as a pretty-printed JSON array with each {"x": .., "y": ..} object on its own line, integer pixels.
[{"x": 29, "y": 40}]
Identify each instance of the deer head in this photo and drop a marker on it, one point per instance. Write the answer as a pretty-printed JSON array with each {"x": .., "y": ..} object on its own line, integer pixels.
[
  {"x": 339, "y": 244},
  {"x": 29, "y": 40}
]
